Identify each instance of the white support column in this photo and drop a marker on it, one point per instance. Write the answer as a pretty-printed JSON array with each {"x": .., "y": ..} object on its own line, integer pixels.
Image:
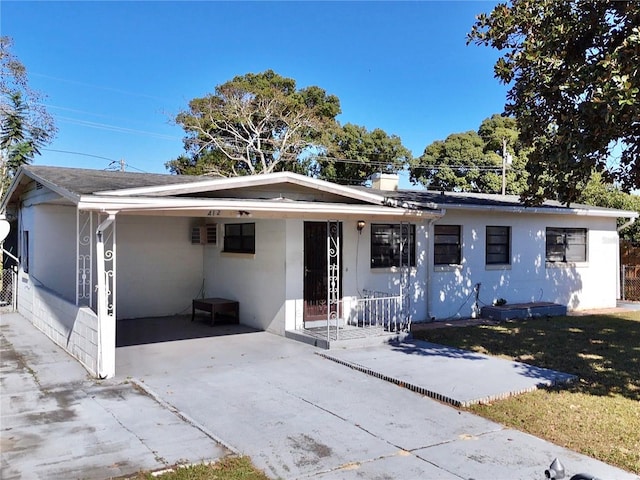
[{"x": 106, "y": 296}]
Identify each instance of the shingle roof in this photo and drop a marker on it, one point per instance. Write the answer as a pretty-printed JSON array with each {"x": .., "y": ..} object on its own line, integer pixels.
[
  {"x": 84, "y": 181},
  {"x": 464, "y": 199}
]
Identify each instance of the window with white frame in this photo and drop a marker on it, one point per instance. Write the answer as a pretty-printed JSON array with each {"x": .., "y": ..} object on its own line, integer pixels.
[
  {"x": 240, "y": 237},
  {"x": 566, "y": 245},
  {"x": 498, "y": 245},
  {"x": 392, "y": 245},
  {"x": 447, "y": 244}
]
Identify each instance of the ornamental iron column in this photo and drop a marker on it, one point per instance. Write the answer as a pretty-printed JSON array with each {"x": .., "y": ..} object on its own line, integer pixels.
[
  {"x": 333, "y": 275},
  {"x": 84, "y": 256},
  {"x": 405, "y": 271}
]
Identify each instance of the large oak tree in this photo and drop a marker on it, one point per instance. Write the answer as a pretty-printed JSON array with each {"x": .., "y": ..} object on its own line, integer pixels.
[
  {"x": 255, "y": 123},
  {"x": 573, "y": 71}
]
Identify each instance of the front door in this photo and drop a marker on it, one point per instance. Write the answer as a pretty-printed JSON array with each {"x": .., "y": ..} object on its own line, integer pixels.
[{"x": 317, "y": 244}]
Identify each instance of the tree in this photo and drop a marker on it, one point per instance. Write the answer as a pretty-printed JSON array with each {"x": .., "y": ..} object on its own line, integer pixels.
[
  {"x": 575, "y": 88},
  {"x": 353, "y": 154},
  {"x": 472, "y": 161},
  {"x": 260, "y": 122},
  {"x": 25, "y": 125},
  {"x": 601, "y": 193}
]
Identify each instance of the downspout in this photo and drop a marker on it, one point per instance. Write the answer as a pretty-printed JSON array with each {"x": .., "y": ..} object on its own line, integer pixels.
[
  {"x": 626, "y": 224},
  {"x": 106, "y": 324}
]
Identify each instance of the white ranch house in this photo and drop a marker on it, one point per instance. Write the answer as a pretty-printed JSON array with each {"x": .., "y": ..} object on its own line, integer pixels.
[{"x": 297, "y": 254}]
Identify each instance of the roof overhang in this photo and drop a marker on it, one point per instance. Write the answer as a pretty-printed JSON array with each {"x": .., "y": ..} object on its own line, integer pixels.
[
  {"x": 547, "y": 210},
  {"x": 243, "y": 207}
]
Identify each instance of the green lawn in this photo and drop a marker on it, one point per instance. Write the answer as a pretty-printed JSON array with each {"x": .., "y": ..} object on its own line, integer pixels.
[{"x": 598, "y": 415}]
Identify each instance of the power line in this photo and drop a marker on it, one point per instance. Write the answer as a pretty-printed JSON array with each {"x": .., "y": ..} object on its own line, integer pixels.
[
  {"x": 78, "y": 153},
  {"x": 101, "y": 87},
  {"x": 115, "y": 128}
]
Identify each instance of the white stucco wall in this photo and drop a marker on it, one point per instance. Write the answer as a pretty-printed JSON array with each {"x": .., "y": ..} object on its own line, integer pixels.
[
  {"x": 52, "y": 247},
  {"x": 158, "y": 270},
  {"x": 359, "y": 276},
  {"x": 256, "y": 281},
  {"x": 586, "y": 285}
]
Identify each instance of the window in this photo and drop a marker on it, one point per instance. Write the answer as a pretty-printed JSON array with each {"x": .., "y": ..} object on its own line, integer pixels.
[
  {"x": 498, "y": 248},
  {"x": 447, "y": 246},
  {"x": 25, "y": 251},
  {"x": 566, "y": 244},
  {"x": 240, "y": 237},
  {"x": 386, "y": 242}
]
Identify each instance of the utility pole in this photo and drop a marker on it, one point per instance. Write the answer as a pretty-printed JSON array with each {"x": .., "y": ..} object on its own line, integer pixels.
[
  {"x": 506, "y": 158},
  {"x": 122, "y": 164}
]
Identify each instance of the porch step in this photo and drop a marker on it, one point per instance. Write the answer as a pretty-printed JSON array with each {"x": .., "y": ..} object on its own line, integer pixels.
[{"x": 354, "y": 337}]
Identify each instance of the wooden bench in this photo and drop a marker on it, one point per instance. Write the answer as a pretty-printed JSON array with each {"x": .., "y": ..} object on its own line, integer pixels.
[{"x": 216, "y": 306}]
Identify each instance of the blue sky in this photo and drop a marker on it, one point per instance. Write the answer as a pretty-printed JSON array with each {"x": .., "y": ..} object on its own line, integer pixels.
[{"x": 116, "y": 73}]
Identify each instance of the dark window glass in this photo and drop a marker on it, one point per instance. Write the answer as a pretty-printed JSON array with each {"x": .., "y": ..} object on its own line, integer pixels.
[
  {"x": 240, "y": 237},
  {"x": 566, "y": 244},
  {"x": 447, "y": 247},
  {"x": 25, "y": 252},
  {"x": 392, "y": 245},
  {"x": 498, "y": 245}
]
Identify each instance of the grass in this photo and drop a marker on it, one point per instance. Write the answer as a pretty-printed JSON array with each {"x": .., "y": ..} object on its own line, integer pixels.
[
  {"x": 228, "y": 468},
  {"x": 598, "y": 415}
]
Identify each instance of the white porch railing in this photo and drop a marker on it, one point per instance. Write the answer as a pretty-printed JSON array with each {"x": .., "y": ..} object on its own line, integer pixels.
[
  {"x": 375, "y": 314},
  {"x": 380, "y": 310}
]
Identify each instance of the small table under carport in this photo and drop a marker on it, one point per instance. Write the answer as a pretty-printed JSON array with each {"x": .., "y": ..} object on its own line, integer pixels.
[{"x": 216, "y": 306}]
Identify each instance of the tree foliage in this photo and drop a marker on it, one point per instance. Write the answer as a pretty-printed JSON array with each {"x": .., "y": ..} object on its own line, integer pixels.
[
  {"x": 25, "y": 125},
  {"x": 353, "y": 154},
  {"x": 600, "y": 193},
  {"x": 260, "y": 123},
  {"x": 472, "y": 161},
  {"x": 575, "y": 88}
]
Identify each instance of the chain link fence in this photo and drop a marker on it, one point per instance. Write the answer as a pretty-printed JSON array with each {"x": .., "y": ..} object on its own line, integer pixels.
[
  {"x": 8, "y": 290},
  {"x": 631, "y": 282}
]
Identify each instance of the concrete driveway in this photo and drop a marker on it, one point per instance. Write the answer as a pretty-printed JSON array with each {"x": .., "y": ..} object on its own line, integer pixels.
[
  {"x": 300, "y": 415},
  {"x": 297, "y": 414}
]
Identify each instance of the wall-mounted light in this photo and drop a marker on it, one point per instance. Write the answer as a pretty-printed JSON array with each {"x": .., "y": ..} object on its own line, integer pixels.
[{"x": 360, "y": 225}]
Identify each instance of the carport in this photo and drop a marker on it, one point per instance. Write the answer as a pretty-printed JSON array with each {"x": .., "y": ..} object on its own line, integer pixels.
[{"x": 103, "y": 247}]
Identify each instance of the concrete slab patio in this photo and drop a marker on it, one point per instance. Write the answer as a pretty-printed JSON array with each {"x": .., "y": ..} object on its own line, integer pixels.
[
  {"x": 458, "y": 377},
  {"x": 296, "y": 414}
]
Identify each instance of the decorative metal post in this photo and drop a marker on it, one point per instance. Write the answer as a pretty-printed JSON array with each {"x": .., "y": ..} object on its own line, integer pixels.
[
  {"x": 333, "y": 275},
  {"x": 84, "y": 255},
  {"x": 405, "y": 268}
]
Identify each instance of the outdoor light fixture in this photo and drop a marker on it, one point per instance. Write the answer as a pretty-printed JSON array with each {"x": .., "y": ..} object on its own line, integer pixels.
[{"x": 360, "y": 225}]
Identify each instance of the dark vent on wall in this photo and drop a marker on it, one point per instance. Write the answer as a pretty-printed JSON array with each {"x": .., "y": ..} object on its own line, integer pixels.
[{"x": 39, "y": 186}]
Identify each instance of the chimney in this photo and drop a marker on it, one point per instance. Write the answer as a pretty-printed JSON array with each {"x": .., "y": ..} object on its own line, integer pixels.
[{"x": 384, "y": 181}]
